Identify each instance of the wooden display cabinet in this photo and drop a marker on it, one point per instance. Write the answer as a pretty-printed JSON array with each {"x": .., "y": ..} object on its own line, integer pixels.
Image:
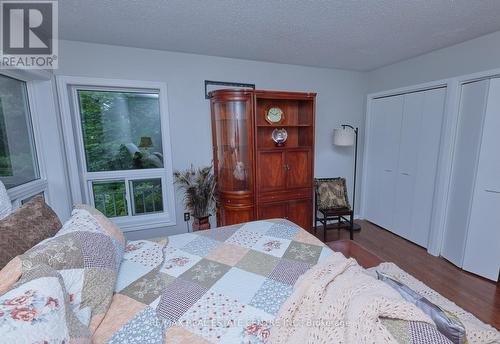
[{"x": 256, "y": 178}]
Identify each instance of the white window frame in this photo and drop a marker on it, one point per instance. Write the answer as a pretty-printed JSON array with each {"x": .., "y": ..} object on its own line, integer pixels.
[
  {"x": 24, "y": 191},
  {"x": 81, "y": 180}
]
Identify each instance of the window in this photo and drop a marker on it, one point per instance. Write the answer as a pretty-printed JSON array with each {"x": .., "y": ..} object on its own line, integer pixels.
[
  {"x": 110, "y": 197},
  {"x": 121, "y": 130},
  {"x": 120, "y": 162},
  {"x": 18, "y": 160}
]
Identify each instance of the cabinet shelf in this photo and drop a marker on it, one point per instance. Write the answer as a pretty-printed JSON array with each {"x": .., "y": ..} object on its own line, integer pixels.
[
  {"x": 282, "y": 125},
  {"x": 238, "y": 146},
  {"x": 285, "y": 147}
]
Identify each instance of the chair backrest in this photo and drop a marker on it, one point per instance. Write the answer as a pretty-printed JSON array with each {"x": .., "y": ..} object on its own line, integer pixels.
[{"x": 331, "y": 193}]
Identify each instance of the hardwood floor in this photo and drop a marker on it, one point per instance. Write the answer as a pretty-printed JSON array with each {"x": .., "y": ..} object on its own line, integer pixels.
[{"x": 477, "y": 295}]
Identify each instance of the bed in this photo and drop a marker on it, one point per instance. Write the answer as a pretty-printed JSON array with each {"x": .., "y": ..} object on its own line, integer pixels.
[
  {"x": 224, "y": 285},
  {"x": 227, "y": 285},
  {"x": 256, "y": 282}
]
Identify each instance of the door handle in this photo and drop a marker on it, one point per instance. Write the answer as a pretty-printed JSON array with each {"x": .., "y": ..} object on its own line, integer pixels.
[
  {"x": 492, "y": 191},
  {"x": 405, "y": 174},
  {"x": 387, "y": 170},
  {"x": 286, "y": 167}
]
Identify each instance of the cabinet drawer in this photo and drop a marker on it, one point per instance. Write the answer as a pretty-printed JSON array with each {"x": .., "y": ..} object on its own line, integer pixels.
[
  {"x": 297, "y": 211},
  {"x": 236, "y": 201},
  {"x": 285, "y": 195}
]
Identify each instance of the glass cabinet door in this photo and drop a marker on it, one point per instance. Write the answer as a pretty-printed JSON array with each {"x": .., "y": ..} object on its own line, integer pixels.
[{"x": 232, "y": 129}]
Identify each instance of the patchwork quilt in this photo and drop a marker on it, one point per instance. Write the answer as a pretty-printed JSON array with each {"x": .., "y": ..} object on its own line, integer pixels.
[{"x": 218, "y": 286}]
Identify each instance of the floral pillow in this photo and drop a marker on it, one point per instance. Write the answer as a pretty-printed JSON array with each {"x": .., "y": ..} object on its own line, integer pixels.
[{"x": 37, "y": 310}]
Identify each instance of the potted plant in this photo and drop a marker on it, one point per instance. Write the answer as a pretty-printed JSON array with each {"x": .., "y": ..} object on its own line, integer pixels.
[{"x": 199, "y": 193}]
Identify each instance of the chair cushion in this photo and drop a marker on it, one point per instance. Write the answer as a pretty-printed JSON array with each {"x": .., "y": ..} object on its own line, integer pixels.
[
  {"x": 332, "y": 193},
  {"x": 335, "y": 212},
  {"x": 33, "y": 222}
]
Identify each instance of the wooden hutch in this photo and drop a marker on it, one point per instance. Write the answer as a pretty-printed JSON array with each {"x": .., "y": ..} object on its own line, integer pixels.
[{"x": 258, "y": 178}]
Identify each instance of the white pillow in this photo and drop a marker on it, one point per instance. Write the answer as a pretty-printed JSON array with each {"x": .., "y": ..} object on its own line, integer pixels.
[{"x": 5, "y": 204}]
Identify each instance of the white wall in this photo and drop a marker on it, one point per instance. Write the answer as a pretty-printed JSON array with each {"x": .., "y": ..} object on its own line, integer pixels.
[
  {"x": 476, "y": 55},
  {"x": 340, "y": 98}
]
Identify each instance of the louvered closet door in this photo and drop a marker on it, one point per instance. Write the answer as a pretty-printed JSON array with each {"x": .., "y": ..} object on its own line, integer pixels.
[
  {"x": 383, "y": 151},
  {"x": 418, "y": 157},
  {"x": 482, "y": 250}
]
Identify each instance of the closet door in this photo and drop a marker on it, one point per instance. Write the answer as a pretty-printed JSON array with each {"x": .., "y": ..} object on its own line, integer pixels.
[
  {"x": 482, "y": 250},
  {"x": 383, "y": 151},
  {"x": 473, "y": 99},
  {"x": 407, "y": 166},
  {"x": 418, "y": 157},
  {"x": 429, "y": 142}
]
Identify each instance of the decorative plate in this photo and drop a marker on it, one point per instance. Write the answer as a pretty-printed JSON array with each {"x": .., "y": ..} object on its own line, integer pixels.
[{"x": 279, "y": 136}]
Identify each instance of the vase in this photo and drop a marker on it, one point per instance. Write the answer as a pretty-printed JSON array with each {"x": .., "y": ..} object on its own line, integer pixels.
[{"x": 201, "y": 223}]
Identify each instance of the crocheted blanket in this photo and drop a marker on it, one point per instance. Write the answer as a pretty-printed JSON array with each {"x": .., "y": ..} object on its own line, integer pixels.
[{"x": 337, "y": 302}]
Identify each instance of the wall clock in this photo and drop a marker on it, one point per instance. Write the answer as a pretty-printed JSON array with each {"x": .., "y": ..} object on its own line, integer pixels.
[{"x": 274, "y": 115}]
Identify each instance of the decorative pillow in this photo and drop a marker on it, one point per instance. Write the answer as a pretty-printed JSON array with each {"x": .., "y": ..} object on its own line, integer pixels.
[
  {"x": 37, "y": 310},
  {"x": 448, "y": 324},
  {"x": 33, "y": 222},
  {"x": 5, "y": 204},
  {"x": 88, "y": 258},
  {"x": 332, "y": 193}
]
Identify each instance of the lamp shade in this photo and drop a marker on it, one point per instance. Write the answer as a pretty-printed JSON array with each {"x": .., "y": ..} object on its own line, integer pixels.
[
  {"x": 146, "y": 142},
  {"x": 343, "y": 137}
]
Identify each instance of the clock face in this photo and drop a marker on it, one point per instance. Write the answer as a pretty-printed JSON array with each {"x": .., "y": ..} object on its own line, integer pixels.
[{"x": 274, "y": 115}]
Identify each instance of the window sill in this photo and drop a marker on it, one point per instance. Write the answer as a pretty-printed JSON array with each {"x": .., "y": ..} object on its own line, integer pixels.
[
  {"x": 144, "y": 222},
  {"x": 18, "y": 193}
]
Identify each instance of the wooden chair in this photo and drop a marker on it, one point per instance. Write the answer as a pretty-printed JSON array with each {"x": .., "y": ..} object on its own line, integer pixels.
[{"x": 332, "y": 204}]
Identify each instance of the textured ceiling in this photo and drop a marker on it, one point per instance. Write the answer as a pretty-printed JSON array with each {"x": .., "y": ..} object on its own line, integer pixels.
[{"x": 349, "y": 34}]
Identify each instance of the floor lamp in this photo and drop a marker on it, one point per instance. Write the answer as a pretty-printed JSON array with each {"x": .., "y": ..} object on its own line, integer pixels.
[{"x": 348, "y": 137}]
